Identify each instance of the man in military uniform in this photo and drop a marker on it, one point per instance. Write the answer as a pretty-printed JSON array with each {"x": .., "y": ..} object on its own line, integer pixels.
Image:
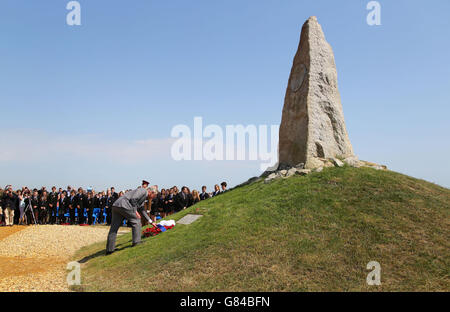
[{"x": 130, "y": 207}]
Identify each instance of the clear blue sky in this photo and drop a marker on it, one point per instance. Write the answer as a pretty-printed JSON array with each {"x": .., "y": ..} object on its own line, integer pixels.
[{"x": 94, "y": 104}]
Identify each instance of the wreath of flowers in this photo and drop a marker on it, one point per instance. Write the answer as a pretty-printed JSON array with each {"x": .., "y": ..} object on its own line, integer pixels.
[{"x": 152, "y": 231}]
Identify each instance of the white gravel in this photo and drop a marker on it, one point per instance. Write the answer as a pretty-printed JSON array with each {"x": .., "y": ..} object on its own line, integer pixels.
[{"x": 44, "y": 250}]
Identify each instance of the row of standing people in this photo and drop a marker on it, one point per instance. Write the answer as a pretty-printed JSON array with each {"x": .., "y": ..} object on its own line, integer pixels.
[
  {"x": 169, "y": 201},
  {"x": 72, "y": 206}
]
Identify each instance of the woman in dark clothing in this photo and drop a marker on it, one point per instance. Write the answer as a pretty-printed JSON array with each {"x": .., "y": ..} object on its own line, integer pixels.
[
  {"x": 195, "y": 197},
  {"x": 43, "y": 208},
  {"x": 154, "y": 209},
  {"x": 170, "y": 200},
  {"x": 190, "y": 198},
  {"x": 162, "y": 203}
]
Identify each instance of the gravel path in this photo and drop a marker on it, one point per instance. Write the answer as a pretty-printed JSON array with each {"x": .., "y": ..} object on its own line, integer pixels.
[{"x": 35, "y": 258}]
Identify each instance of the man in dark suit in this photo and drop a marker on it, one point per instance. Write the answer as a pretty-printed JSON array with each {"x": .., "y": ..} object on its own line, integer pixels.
[
  {"x": 71, "y": 204},
  {"x": 224, "y": 187},
  {"x": 52, "y": 205},
  {"x": 63, "y": 205},
  {"x": 182, "y": 199},
  {"x": 79, "y": 205},
  {"x": 110, "y": 200},
  {"x": 204, "y": 195},
  {"x": 114, "y": 194}
]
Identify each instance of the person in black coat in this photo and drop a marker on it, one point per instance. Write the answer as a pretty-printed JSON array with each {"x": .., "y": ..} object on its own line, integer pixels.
[
  {"x": 52, "y": 205},
  {"x": 16, "y": 208},
  {"x": 163, "y": 207},
  {"x": 204, "y": 195},
  {"x": 71, "y": 204},
  {"x": 89, "y": 205},
  {"x": 182, "y": 200},
  {"x": 63, "y": 206},
  {"x": 43, "y": 207},
  {"x": 114, "y": 195},
  {"x": 102, "y": 205},
  {"x": 35, "y": 206},
  {"x": 191, "y": 198},
  {"x": 154, "y": 207},
  {"x": 170, "y": 202},
  {"x": 96, "y": 202},
  {"x": 79, "y": 205},
  {"x": 110, "y": 199}
]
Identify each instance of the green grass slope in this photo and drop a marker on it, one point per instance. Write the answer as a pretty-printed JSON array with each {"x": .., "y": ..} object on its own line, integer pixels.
[{"x": 304, "y": 233}]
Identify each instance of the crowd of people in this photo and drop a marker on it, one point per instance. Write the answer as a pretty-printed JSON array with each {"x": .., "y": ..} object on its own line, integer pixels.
[{"x": 72, "y": 206}]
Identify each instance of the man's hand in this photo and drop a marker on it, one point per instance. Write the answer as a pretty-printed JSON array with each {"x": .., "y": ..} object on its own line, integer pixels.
[{"x": 138, "y": 215}]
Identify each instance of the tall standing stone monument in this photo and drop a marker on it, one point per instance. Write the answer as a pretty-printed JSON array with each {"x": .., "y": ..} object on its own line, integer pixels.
[{"x": 312, "y": 125}]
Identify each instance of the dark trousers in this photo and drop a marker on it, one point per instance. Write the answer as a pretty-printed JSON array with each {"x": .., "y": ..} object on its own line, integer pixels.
[
  {"x": 80, "y": 212},
  {"x": 16, "y": 215},
  {"x": 108, "y": 216},
  {"x": 29, "y": 216},
  {"x": 72, "y": 215},
  {"x": 100, "y": 216},
  {"x": 42, "y": 215},
  {"x": 61, "y": 217},
  {"x": 89, "y": 213},
  {"x": 52, "y": 211}
]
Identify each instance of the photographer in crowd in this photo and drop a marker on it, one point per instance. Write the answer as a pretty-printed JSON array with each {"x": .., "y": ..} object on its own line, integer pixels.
[{"x": 9, "y": 204}]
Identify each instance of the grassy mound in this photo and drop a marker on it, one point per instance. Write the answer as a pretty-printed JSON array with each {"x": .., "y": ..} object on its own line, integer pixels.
[{"x": 311, "y": 233}]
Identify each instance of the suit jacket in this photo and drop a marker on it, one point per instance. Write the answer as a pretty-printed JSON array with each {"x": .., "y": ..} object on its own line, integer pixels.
[
  {"x": 53, "y": 199},
  {"x": 78, "y": 201},
  {"x": 102, "y": 202},
  {"x": 132, "y": 200},
  {"x": 9, "y": 201},
  {"x": 35, "y": 202},
  {"x": 63, "y": 204},
  {"x": 181, "y": 202},
  {"x": 71, "y": 202},
  {"x": 89, "y": 203}
]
